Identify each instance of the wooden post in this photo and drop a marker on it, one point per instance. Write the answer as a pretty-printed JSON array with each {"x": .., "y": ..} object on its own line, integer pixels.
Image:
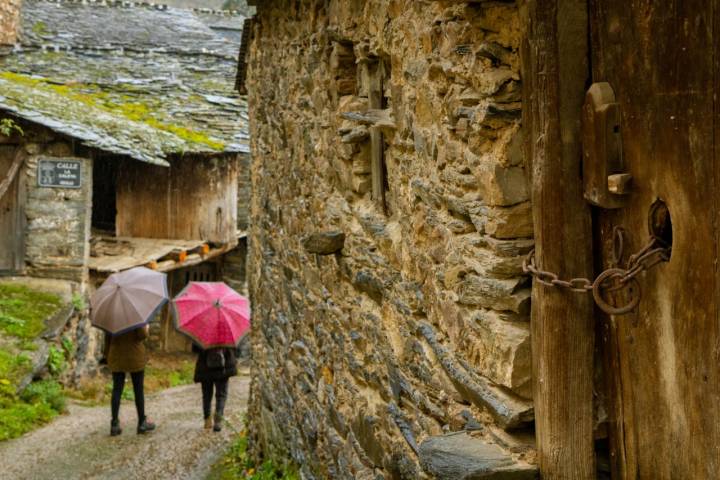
[
  {"x": 377, "y": 146},
  {"x": 555, "y": 74}
]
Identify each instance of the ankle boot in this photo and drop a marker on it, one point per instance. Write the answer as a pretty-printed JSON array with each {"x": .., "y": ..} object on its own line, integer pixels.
[
  {"x": 145, "y": 426},
  {"x": 208, "y": 423},
  {"x": 217, "y": 425},
  {"x": 115, "y": 429}
]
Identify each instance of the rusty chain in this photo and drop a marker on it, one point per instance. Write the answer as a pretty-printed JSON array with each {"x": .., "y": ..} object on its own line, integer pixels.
[{"x": 614, "y": 278}]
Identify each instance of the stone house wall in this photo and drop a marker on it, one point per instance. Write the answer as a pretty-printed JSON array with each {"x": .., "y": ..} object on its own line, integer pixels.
[
  {"x": 244, "y": 192},
  {"x": 389, "y": 303},
  {"x": 56, "y": 233},
  {"x": 9, "y": 21},
  {"x": 56, "y": 220},
  {"x": 57, "y": 237}
]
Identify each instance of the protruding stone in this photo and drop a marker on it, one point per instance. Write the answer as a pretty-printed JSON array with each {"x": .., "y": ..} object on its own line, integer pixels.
[
  {"x": 495, "y": 52},
  {"x": 461, "y": 456},
  {"x": 501, "y": 186},
  {"x": 324, "y": 243},
  {"x": 368, "y": 283},
  {"x": 505, "y": 222},
  {"x": 508, "y": 410},
  {"x": 494, "y": 293},
  {"x": 354, "y": 135},
  {"x": 501, "y": 351},
  {"x": 38, "y": 360},
  {"x": 55, "y": 324}
]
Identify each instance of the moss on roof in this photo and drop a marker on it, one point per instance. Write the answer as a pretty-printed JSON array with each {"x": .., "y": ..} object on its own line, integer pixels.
[{"x": 144, "y": 102}]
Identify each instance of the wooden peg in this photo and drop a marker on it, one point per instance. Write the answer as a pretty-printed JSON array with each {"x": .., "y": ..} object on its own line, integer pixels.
[{"x": 619, "y": 183}]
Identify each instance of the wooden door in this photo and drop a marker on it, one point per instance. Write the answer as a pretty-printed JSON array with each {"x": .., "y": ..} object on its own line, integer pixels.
[
  {"x": 11, "y": 214},
  {"x": 663, "y": 359}
]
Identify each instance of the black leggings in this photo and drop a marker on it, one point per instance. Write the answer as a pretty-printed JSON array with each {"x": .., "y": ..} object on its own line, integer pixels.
[
  {"x": 118, "y": 385},
  {"x": 221, "y": 389}
]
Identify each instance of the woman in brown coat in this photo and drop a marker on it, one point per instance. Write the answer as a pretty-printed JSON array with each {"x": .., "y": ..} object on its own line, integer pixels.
[{"x": 126, "y": 354}]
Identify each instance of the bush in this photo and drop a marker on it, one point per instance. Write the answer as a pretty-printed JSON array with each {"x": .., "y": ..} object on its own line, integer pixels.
[
  {"x": 19, "y": 418},
  {"x": 38, "y": 404},
  {"x": 56, "y": 360},
  {"x": 46, "y": 391},
  {"x": 78, "y": 302}
]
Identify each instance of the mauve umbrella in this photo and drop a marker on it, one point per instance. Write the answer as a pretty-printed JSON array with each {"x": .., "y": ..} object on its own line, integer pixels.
[
  {"x": 212, "y": 314},
  {"x": 128, "y": 300}
]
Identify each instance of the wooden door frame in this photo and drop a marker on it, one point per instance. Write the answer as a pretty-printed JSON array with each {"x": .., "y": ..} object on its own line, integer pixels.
[
  {"x": 20, "y": 220},
  {"x": 556, "y": 73}
]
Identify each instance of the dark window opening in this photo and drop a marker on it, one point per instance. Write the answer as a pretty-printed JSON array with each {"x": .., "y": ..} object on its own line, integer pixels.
[
  {"x": 376, "y": 76},
  {"x": 104, "y": 200}
]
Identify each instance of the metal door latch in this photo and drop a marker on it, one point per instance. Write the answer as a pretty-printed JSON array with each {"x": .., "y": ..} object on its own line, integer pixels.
[{"x": 606, "y": 184}]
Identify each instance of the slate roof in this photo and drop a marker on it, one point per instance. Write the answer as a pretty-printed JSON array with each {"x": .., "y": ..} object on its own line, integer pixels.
[{"x": 137, "y": 79}]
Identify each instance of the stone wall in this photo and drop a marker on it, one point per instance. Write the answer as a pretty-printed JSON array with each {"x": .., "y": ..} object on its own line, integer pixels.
[
  {"x": 386, "y": 244},
  {"x": 234, "y": 267},
  {"x": 9, "y": 21},
  {"x": 58, "y": 219},
  {"x": 57, "y": 229},
  {"x": 244, "y": 192}
]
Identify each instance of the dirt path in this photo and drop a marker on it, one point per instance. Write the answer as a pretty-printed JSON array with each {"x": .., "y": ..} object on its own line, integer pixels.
[{"x": 78, "y": 446}]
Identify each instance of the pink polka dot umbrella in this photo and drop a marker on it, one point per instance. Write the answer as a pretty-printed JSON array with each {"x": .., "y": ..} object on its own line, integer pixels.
[{"x": 212, "y": 314}]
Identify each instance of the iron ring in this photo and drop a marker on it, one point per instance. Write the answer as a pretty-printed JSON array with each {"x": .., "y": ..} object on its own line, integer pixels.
[{"x": 603, "y": 304}]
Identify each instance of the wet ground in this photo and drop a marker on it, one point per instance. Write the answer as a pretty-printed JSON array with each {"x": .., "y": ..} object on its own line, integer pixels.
[{"x": 78, "y": 446}]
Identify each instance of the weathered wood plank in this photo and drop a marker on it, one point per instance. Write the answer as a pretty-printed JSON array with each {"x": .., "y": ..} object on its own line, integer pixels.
[
  {"x": 664, "y": 384},
  {"x": 12, "y": 215},
  {"x": 194, "y": 199},
  {"x": 116, "y": 254},
  {"x": 12, "y": 171},
  {"x": 377, "y": 147},
  {"x": 555, "y": 71}
]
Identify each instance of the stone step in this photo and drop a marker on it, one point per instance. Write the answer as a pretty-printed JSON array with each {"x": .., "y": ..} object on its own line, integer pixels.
[{"x": 463, "y": 456}]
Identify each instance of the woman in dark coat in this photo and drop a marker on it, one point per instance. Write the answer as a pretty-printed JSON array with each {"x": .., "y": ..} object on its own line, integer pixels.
[
  {"x": 212, "y": 370},
  {"x": 126, "y": 354}
]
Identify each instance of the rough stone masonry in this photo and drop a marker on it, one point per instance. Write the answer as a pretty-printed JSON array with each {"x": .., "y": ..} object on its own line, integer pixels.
[
  {"x": 9, "y": 21},
  {"x": 389, "y": 220}
]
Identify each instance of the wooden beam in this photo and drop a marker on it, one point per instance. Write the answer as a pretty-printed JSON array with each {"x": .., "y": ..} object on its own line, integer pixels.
[
  {"x": 555, "y": 74},
  {"x": 12, "y": 171},
  {"x": 377, "y": 143},
  {"x": 373, "y": 118}
]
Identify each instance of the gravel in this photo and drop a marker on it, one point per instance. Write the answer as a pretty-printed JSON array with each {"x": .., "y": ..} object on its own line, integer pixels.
[{"x": 78, "y": 446}]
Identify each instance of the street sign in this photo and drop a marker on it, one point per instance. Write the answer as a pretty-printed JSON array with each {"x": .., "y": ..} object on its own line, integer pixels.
[{"x": 59, "y": 173}]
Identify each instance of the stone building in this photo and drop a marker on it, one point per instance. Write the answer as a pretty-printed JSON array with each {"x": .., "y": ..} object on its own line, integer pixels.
[
  {"x": 389, "y": 221},
  {"x": 391, "y": 176},
  {"x": 125, "y": 144}
]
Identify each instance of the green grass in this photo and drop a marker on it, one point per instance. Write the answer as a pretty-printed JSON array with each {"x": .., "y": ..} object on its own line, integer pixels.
[
  {"x": 160, "y": 377},
  {"x": 22, "y": 316},
  {"x": 22, "y": 417},
  {"x": 12, "y": 367},
  {"x": 39, "y": 403},
  {"x": 23, "y": 311},
  {"x": 236, "y": 464}
]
